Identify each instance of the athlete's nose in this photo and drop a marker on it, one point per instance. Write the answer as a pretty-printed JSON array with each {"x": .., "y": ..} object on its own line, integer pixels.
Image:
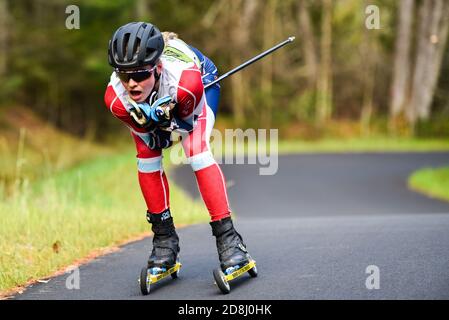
[{"x": 132, "y": 83}]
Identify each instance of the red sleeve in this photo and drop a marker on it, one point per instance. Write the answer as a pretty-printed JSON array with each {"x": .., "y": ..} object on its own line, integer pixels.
[
  {"x": 115, "y": 105},
  {"x": 190, "y": 92}
]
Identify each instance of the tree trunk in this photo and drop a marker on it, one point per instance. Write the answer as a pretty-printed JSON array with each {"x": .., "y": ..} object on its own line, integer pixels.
[
  {"x": 401, "y": 73},
  {"x": 369, "y": 53},
  {"x": 308, "y": 43},
  {"x": 141, "y": 10},
  {"x": 267, "y": 63},
  {"x": 4, "y": 17},
  {"x": 324, "y": 85},
  {"x": 432, "y": 36},
  {"x": 216, "y": 8},
  {"x": 241, "y": 37}
]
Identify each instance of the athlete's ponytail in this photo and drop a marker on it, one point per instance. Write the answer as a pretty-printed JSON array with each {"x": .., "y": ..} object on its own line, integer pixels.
[{"x": 168, "y": 35}]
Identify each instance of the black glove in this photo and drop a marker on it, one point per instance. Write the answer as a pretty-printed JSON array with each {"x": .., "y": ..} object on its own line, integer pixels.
[{"x": 160, "y": 139}]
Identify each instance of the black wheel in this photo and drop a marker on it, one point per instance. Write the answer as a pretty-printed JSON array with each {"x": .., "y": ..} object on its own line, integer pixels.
[
  {"x": 253, "y": 272},
  {"x": 175, "y": 275},
  {"x": 221, "y": 282},
  {"x": 144, "y": 284}
]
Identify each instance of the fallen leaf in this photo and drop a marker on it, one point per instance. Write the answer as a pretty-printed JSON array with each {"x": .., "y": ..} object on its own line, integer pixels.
[
  {"x": 43, "y": 281},
  {"x": 56, "y": 246}
]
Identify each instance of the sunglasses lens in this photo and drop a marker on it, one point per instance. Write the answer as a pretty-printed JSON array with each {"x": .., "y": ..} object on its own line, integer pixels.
[
  {"x": 136, "y": 76},
  {"x": 140, "y": 76},
  {"x": 123, "y": 76}
]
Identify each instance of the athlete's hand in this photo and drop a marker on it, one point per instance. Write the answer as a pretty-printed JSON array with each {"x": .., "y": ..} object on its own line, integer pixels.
[
  {"x": 162, "y": 107},
  {"x": 159, "y": 139},
  {"x": 157, "y": 115},
  {"x": 160, "y": 111}
]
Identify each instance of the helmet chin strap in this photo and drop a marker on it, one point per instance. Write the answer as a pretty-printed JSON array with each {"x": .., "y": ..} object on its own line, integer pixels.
[
  {"x": 156, "y": 75},
  {"x": 153, "y": 94}
]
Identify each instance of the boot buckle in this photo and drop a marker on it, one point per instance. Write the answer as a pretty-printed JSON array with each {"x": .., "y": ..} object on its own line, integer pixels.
[{"x": 243, "y": 248}]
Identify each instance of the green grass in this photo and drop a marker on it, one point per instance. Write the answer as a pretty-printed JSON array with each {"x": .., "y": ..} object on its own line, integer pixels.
[
  {"x": 432, "y": 182},
  {"x": 375, "y": 144},
  {"x": 26, "y": 153},
  {"x": 51, "y": 223}
]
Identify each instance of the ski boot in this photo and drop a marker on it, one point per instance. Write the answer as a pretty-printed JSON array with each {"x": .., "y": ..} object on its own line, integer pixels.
[
  {"x": 234, "y": 257},
  {"x": 163, "y": 260}
]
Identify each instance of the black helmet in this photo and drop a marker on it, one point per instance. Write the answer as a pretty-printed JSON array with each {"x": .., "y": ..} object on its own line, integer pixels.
[{"x": 135, "y": 44}]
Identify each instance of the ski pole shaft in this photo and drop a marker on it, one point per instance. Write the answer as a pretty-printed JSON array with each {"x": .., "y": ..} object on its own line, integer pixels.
[{"x": 247, "y": 63}]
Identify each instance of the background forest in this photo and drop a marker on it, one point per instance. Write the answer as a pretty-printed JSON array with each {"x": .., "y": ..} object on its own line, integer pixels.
[{"x": 338, "y": 73}]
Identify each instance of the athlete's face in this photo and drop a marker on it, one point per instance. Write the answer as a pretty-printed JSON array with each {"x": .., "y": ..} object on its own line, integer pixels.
[{"x": 137, "y": 89}]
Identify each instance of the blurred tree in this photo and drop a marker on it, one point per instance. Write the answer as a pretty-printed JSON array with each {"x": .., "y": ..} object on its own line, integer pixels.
[
  {"x": 142, "y": 11},
  {"x": 308, "y": 43},
  {"x": 4, "y": 18},
  {"x": 432, "y": 36},
  {"x": 402, "y": 64},
  {"x": 324, "y": 84},
  {"x": 369, "y": 53},
  {"x": 266, "y": 76},
  {"x": 242, "y": 13}
]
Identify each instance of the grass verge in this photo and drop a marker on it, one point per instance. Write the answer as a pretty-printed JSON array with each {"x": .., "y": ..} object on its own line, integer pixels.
[
  {"x": 375, "y": 144},
  {"x": 284, "y": 147},
  {"x": 53, "y": 222},
  {"x": 433, "y": 182},
  {"x": 35, "y": 149}
]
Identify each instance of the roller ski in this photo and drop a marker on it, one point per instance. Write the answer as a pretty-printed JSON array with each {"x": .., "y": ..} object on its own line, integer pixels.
[
  {"x": 234, "y": 257},
  {"x": 150, "y": 276},
  {"x": 164, "y": 260}
]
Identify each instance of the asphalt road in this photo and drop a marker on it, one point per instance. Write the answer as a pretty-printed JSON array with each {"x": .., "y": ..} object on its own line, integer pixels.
[{"x": 314, "y": 228}]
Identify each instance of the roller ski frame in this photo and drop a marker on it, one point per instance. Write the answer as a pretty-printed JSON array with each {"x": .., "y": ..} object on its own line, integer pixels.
[
  {"x": 147, "y": 278},
  {"x": 222, "y": 279}
]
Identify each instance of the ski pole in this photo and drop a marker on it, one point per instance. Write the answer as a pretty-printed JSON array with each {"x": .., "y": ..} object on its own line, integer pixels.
[{"x": 247, "y": 63}]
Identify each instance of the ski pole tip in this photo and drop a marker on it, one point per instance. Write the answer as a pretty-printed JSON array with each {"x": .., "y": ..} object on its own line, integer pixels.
[{"x": 291, "y": 38}]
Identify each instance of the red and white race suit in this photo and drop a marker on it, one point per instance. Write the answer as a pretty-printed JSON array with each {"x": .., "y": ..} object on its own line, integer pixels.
[{"x": 181, "y": 78}]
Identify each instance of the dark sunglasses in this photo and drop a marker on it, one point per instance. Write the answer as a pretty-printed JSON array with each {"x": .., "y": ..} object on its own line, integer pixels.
[{"x": 137, "y": 75}]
